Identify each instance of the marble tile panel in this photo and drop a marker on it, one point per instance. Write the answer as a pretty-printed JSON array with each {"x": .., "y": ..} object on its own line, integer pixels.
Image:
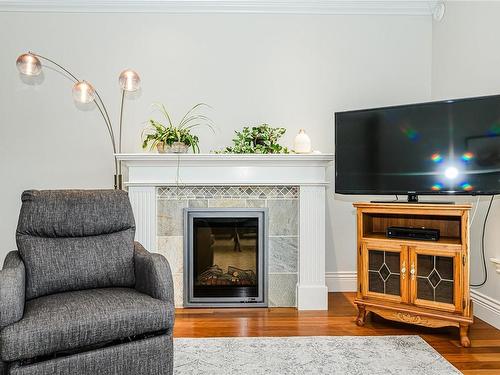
[
  {"x": 283, "y": 217},
  {"x": 170, "y": 217},
  {"x": 172, "y": 248},
  {"x": 283, "y": 254},
  {"x": 282, "y": 290},
  {"x": 256, "y": 203},
  {"x": 236, "y": 203},
  {"x": 178, "y": 279},
  {"x": 198, "y": 203}
]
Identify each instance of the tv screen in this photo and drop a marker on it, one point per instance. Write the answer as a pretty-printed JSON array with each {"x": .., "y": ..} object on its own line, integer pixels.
[{"x": 446, "y": 147}]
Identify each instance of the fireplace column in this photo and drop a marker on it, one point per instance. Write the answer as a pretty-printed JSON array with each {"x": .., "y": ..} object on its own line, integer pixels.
[
  {"x": 143, "y": 201},
  {"x": 312, "y": 292}
]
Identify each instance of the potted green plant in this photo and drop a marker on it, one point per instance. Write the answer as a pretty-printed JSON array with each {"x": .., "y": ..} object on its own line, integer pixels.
[
  {"x": 175, "y": 138},
  {"x": 262, "y": 139}
]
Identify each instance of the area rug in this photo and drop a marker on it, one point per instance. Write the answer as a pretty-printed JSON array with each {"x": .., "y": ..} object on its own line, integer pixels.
[{"x": 366, "y": 355}]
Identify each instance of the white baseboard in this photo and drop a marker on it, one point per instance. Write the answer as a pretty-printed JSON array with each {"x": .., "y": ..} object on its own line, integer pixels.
[
  {"x": 343, "y": 281},
  {"x": 486, "y": 308}
]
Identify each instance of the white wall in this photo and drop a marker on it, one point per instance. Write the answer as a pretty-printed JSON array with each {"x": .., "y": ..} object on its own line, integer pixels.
[
  {"x": 287, "y": 70},
  {"x": 466, "y": 62}
]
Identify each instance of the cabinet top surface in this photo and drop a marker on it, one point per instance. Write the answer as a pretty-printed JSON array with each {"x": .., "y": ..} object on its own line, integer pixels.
[{"x": 414, "y": 206}]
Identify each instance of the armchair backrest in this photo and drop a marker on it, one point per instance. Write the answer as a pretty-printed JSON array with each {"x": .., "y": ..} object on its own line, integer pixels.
[{"x": 75, "y": 239}]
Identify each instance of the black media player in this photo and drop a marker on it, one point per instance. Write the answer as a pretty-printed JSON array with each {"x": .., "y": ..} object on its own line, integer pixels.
[{"x": 409, "y": 233}]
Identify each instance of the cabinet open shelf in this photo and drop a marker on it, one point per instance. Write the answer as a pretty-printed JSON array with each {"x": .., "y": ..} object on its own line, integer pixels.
[{"x": 449, "y": 226}]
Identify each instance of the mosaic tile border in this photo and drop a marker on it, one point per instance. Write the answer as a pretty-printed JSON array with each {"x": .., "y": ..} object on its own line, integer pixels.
[{"x": 228, "y": 192}]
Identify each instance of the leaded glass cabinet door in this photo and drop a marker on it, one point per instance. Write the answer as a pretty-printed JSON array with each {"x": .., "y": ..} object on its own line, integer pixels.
[
  {"x": 435, "y": 279},
  {"x": 385, "y": 271}
]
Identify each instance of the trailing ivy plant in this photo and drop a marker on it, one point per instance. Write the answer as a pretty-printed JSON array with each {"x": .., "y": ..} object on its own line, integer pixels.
[
  {"x": 156, "y": 133},
  {"x": 262, "y": 139}
]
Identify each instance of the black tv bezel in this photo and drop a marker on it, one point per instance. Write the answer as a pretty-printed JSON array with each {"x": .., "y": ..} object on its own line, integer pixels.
[{"x": 400, "y": 192}]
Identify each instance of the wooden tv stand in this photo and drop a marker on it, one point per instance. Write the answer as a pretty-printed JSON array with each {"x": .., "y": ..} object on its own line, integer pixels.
[{"x": 414, "y": 281}]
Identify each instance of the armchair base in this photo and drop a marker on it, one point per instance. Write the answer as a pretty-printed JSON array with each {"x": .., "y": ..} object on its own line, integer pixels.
[{"x": 152, "y": 356}]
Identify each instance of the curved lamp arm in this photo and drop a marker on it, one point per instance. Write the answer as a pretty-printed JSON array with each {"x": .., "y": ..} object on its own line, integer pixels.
[
  {"x": 29, "y": 64},
  {"x": 99, "y": 103}
]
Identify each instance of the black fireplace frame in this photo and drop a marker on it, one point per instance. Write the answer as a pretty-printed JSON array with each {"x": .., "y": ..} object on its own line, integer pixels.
[{"x": 262, "y": 266}]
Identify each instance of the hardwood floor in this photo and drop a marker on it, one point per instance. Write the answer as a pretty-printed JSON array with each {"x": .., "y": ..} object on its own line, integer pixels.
[{"x": 483, "y": 358}]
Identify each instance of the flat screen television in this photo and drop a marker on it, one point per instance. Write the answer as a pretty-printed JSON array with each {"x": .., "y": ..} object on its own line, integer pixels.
[{"x": 445, "y": 147}]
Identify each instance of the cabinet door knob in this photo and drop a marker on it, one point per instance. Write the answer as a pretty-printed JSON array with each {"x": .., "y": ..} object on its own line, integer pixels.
[
  {"x": 403, "y": 270},
  {"x": 412, "y": 271}
]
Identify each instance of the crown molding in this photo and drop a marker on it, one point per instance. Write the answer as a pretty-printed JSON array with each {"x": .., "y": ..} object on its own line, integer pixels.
[{"x": 319, "y": 7}]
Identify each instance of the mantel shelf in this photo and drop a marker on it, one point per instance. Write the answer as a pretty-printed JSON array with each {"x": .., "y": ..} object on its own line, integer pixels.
[
  {"x": 148, "y": 169},
  {"x": 264, "y": 159}
]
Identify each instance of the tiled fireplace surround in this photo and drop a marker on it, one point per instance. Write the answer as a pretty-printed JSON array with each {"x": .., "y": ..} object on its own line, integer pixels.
[
  {"x": 283, "y": 207},
  {"x": 292, "y": 187}
]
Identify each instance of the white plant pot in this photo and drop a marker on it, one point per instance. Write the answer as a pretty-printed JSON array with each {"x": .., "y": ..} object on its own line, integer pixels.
[{"x": 178, "y": 148}]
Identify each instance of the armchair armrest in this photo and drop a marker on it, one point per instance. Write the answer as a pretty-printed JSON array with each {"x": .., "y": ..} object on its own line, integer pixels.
[
  {"x": 153, "y": 275},
  {"x": 12, "y": 289}
]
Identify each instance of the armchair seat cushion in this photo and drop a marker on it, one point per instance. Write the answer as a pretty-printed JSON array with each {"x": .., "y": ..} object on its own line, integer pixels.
[{"x": 71, "y": 320}]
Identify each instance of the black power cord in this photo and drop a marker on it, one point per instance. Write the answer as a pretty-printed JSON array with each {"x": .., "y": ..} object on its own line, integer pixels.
[{"x": 485, "y": 269}]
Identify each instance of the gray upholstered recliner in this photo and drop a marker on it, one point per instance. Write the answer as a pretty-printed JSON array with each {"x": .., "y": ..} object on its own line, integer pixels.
[{"x": 79, "y": 296}]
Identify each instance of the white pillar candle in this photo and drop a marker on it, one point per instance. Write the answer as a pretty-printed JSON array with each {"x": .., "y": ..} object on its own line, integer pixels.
[{"x": 302, "y": 143}]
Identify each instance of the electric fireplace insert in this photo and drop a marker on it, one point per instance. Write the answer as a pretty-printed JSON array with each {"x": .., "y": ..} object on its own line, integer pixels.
[{"x": 225, "y": 255}]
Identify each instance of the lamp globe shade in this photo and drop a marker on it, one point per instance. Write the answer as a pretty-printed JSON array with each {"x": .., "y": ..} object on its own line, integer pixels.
[
  {"x": 83, "y": 92},
  {"x": 129, "y": 80},
  {"x": 28, "y": 64}
]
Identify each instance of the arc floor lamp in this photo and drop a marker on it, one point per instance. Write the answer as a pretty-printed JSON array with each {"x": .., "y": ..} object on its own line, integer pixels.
[{"x": 84, "y": 92}]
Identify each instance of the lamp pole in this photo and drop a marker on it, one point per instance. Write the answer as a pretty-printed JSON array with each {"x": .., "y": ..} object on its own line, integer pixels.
[{"x": 120, "y": 175}]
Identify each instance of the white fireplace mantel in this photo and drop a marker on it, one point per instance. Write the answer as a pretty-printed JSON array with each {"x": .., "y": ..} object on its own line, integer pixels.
[
  {"x": 309, "y": 172},
  {"x": 223, "y": 169}
]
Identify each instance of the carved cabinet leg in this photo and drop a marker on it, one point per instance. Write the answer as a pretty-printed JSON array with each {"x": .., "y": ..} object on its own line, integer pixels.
[
  {"x": 360, "y": 321},
  {"x": 464, "y": 335}
]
